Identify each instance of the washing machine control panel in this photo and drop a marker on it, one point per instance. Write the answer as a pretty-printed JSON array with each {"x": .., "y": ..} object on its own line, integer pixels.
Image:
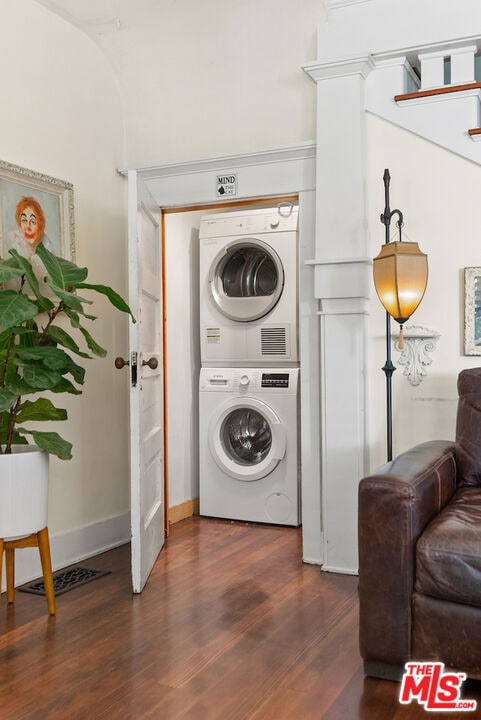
[
  {"x": 248, "y": 380},
  {"x": 275, "y": 380}
]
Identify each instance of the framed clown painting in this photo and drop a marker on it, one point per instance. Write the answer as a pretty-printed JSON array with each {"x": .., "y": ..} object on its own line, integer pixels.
[{"x": 35, "y": 208}]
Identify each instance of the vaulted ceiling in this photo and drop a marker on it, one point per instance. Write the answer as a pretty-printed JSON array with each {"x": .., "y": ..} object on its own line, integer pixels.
[{"x": 95, "y": 17}]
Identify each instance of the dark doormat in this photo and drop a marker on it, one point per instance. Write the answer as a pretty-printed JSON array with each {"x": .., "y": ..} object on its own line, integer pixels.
[{"x": 65, "y": 580}]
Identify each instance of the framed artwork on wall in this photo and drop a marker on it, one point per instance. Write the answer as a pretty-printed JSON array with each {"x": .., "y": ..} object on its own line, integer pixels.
[
  {"x": 472, "y": 311},
  {"x": 35, "y": 208}
]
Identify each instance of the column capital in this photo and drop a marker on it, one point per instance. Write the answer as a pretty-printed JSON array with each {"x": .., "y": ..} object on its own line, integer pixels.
[{"x": 341, "y": 67}]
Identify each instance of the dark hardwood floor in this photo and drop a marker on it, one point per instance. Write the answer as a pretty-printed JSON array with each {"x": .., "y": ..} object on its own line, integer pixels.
[{"x": 231, "y": 626}]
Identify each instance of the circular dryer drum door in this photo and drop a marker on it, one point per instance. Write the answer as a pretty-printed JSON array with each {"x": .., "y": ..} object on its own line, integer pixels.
[
  {"x": 246, "y": 280},
  {"x": 246, "y": 439}
]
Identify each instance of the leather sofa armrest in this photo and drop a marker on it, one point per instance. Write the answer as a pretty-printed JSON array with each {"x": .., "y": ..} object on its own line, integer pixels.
[{"x": 395, "y": 505}]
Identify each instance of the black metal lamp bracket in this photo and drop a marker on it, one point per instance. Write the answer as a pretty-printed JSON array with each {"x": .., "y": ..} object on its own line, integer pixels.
[{"x": 387, "y": 215}]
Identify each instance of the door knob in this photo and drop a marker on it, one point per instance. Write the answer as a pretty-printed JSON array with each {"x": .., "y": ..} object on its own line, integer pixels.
[
  {"x": 119, "y": 363},
  {"x": 151, "y": 362}
]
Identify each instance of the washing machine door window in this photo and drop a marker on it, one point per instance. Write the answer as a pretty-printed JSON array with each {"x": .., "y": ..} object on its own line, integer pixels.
[
  {"x": 246, "y": 280},
  {"x": 246, "y": 438}
]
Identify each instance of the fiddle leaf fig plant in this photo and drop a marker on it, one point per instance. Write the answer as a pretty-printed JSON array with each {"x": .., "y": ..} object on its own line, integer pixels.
[{"x": 37, "y": 354}]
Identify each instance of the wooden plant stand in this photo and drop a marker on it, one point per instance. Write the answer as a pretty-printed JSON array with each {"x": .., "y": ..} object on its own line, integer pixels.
[{"x": 41, "y": 540}]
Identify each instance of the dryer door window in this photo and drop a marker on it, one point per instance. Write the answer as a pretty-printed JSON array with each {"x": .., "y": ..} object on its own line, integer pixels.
[
  {"x": 246, "y": 436},
  {"x": 246, "y": 280}
]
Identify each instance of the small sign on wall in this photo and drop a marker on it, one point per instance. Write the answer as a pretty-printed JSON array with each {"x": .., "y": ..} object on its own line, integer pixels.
[{"x": 226, "y": 184}]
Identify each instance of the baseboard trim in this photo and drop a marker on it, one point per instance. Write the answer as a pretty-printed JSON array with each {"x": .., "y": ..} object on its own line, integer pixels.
[
  {"x": 72, "y": 546},
  {"x": 183, "y": 510}
]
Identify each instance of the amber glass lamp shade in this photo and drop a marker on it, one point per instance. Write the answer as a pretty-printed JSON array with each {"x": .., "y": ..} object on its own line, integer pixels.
[{"x": 400, "y": 278}]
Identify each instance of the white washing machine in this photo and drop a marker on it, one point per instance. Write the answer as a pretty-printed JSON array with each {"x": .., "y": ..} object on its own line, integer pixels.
[
  {"x": 249, "y": 439},
  {"x": 248, "y": 287}
]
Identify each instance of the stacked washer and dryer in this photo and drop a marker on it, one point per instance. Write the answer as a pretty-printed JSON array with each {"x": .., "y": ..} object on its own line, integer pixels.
[{"x": 249, "y": 380}]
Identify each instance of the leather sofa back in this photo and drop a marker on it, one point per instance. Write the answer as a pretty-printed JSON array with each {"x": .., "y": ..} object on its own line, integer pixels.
[
  {"x": 468, "y": 428},
  {"x": 395, "y": 506}
]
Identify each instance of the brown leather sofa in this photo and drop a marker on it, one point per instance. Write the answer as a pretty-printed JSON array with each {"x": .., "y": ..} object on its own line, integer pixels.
[{"x": 420, "y": 551}]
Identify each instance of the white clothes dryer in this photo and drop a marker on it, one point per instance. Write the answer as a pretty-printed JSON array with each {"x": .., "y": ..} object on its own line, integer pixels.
[
  {"x": 248, "y": 287},
  {"x": 248, "y": 432}
]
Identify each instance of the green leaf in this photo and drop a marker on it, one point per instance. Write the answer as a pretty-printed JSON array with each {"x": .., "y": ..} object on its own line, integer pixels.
[
  {"x": 15, "y": 308},
  {"x": 39, "y": 410},
  {"x": 59, "y": 336},
  {"x": 74, "y": 318},
  {"x": 71, "y": 300},
  {"x": 51, "y": 442},
  {"x": 44, "y": 303},
  {"x": 63, "y": 273},
  {"x": 93, "y": 346},
  {"x": 5, "y": 338},
  {"x": 52, "y": 358},
  {"x": 41, "y": 378},
  {"x": 17, "y": 438},
  {"x": 17, "y": 384},
  {"x": 7, "y": 399},
  {"x": 65, "y": 386},
  {"x": 27, "y": 334},
  {"x": 76, "y": 371},
  {"x": 8, "y": 271},
  {"x": 3, "y": 356},
  {"x": 4, "y": 417},
  {"x": 116, "y": 300}
]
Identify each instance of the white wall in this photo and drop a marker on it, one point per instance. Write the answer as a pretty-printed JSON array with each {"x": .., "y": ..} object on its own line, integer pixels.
[
  {"x": 182, "y": 353},
  {"x": 62, "y": 116},
  {"x": 206, "y": 79},
  {"x": 438, "y": 193}
]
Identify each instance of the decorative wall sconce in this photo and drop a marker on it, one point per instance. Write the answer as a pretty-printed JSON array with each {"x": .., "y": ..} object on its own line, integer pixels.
[
  {"x": 419, "y": 342},
  {"x": 400, "y": 278}
]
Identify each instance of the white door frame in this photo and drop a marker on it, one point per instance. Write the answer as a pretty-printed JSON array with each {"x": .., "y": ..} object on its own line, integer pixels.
[{"x": 264, "y": 174}]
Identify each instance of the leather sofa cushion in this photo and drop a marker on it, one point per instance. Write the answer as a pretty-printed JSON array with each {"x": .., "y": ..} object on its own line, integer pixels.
[
  {"x": 468, "y": 428},
  {"x": 448, "y": 553}
]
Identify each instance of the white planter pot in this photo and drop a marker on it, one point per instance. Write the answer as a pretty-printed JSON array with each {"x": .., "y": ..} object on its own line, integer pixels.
[{"x": 23, "y": 491}]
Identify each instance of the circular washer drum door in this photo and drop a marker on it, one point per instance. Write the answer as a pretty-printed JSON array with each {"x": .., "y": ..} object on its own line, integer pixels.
[{"x": 246, "y": 439}]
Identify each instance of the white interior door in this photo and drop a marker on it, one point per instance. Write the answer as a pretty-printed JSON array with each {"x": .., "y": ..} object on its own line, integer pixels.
[{"x": 146, "y": 381}]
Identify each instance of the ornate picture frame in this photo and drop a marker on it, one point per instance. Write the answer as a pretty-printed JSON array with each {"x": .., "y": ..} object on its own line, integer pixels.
[
  {"x": 53, "y": 198},
  {"x": 472, "y": 311}
]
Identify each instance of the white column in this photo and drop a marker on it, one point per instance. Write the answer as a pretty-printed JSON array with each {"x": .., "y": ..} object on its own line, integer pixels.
[
  {"x": 432, "y": 70},
  {"x": 342, "y": 285},
  {"x": 462, "y": 65}
]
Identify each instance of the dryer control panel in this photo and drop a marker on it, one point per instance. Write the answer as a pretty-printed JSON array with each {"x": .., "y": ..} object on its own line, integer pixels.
[{"x": 283, "y": 217}]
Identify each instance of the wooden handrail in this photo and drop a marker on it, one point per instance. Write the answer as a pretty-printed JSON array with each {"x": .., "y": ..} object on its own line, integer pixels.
[{"x": 437, "y": 91}]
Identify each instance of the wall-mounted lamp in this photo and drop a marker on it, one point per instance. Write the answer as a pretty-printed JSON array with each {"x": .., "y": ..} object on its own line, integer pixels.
[{"x": 400, "y": 278}]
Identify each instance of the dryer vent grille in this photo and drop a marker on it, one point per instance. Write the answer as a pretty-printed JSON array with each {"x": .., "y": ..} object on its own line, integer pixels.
[{"x": 274, "y": 341}]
